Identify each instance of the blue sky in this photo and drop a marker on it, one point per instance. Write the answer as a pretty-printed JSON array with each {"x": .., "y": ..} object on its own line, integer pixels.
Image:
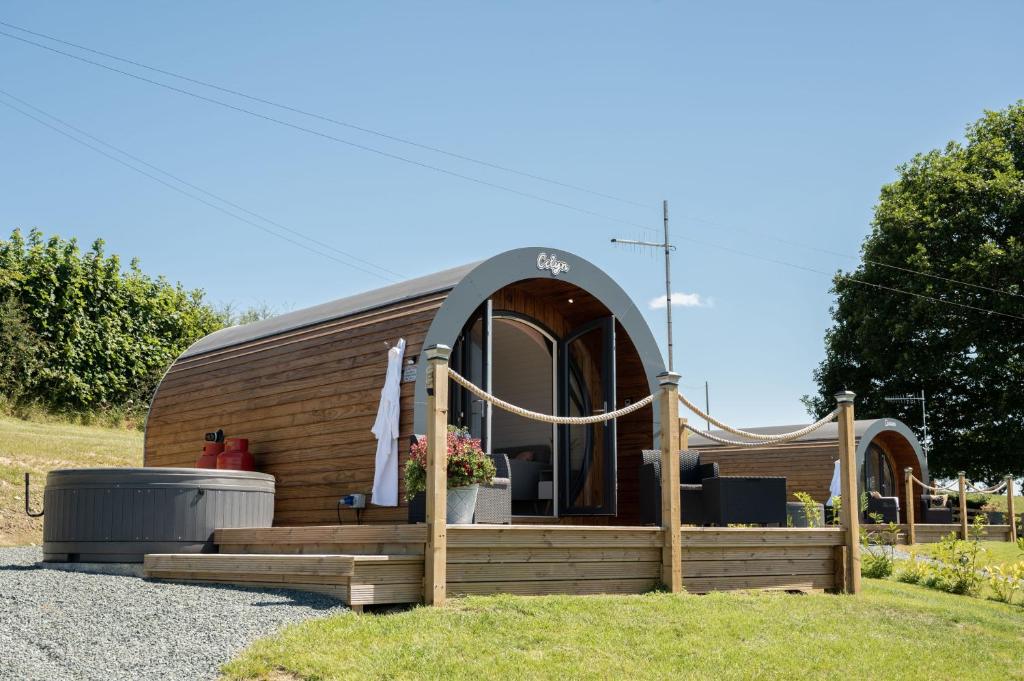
[{"x": 757, "y": 121}]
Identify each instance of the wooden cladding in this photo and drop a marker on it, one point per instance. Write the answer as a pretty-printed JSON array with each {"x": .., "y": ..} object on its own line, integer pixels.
[{"x": 306, "y": 399}]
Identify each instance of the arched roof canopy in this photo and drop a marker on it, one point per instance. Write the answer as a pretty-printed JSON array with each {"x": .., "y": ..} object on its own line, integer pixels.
[{"x": 485, "y": 278}]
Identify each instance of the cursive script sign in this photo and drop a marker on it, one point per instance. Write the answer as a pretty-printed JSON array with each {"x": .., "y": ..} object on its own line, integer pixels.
[{"x": 551, "y": 263}]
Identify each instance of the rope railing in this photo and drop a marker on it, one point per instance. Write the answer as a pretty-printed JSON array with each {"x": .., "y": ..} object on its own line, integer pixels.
[
  {"x": 774, "y": 439},
  {"x": 547, "y": 418},
  {"x": 971, "y": 489},
  {"x": 762, "y": 440}
]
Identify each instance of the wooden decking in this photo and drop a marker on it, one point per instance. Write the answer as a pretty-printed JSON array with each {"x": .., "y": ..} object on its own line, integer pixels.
[{"x": 377, "y": 564}]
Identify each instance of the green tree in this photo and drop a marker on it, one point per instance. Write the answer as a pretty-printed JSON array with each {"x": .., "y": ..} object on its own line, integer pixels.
[
  {"x": 104, "y": 334},
  {"x": 956, "y": 213}
]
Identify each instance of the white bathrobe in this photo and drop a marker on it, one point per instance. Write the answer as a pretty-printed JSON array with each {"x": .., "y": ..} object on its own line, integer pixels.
[
  {"x": 385, "y": 474},
  {"x": 836, "y": 488}
]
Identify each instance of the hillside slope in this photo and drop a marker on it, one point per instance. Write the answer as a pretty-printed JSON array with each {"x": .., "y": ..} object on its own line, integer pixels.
[{"x": 27, "y": 446}]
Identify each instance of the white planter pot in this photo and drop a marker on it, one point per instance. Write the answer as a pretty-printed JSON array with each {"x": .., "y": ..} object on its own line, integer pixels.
[{"x": 462, "y": 504}]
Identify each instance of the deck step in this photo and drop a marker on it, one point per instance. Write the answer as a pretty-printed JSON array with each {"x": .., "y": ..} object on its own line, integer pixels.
[{"x": 355, "y": 579}]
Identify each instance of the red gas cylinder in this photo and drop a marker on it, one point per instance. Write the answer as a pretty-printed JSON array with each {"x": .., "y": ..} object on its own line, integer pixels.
[
  {"x": 236, "y": 455},
  {"x": 208, "y": 459}
]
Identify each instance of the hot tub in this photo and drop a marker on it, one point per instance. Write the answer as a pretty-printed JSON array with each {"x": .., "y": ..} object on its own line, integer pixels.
[{"x": 117, "y": 515}]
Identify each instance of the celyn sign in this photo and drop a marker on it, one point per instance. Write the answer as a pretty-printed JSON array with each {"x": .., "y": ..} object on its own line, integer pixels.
[{"x": 551, "y": 263}]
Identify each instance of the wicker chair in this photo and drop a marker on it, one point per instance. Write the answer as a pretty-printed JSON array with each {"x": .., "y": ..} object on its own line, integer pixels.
[
  {"x": 935, "y": 509},
  {"x": 887, "y": 507},
  {"x": 706, "y": 498},
  {"x": 493, "y": 502},
  {"x": 692, "y": 474}
]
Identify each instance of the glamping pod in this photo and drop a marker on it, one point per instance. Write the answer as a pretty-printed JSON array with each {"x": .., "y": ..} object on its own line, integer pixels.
[
  {"x": 543, "y": 329},
  {"x": 884, "y": 447}
]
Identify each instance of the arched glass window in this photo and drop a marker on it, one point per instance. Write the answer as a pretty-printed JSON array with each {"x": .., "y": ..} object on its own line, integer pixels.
[{"x": 878, "y": 474}]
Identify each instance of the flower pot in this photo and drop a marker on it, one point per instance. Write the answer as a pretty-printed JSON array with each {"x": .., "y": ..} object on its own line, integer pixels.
[{"x": 462, "y": 504}]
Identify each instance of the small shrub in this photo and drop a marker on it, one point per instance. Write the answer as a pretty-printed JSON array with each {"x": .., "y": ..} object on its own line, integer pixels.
[
  {"x": 812, "y": 512},
  {"x": 878, "y": 558},
  {"x": 837, "y": 507},
  {"x": 957, "y": 569},
  {"x": 1005, "y": 580},
  {"x": 876, "y": 566},
  {"x": 912, "y": 570}
]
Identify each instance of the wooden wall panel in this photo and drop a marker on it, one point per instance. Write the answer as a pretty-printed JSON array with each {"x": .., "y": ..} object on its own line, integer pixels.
[
  {"x": 305, "y": 399},
  {"x": 806, "y": 467}
]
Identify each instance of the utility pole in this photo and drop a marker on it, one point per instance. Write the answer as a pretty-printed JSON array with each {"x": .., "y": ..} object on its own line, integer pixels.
[
  {"x": 707, "y": 403},
  {"x": 668, "y": 248},
  {"x": 910, "y": 399}
]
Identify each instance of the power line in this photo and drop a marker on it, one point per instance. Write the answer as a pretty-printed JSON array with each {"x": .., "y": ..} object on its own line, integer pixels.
[
  {"x": 329, "y": 119},
  {"x": 201, "y": 190},
  {"x": 879, "y": 263},
  {"x": 847, "y": 277},
  {"x": 318, "y": 133},
  {"x": 188, "y": 194},
  {"x": 433, "y": 149}
]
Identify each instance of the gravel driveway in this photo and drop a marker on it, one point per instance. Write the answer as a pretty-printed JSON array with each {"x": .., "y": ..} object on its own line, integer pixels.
[{"x": 58, "y": 625}]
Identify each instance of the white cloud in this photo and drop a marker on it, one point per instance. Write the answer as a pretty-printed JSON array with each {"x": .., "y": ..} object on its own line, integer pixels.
[{"x": 680, "y": 299}]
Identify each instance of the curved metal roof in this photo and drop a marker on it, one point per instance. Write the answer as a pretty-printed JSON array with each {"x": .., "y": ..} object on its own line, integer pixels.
[
  {"x": 336, "y": 309},
  {"x": 864, "y": 431}
]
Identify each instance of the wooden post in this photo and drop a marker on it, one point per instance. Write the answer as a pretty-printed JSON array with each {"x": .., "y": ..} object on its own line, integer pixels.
[
  {"x": 849, "y": 511},
  {"x": 684, "y": 435},
  {"x": 911, "y": 535},
  {"x": 1009, "y": 509},
  {"x": 436, "y": 555},
  {"x": 963, "y": 504},
  {"x": 672, "y": 547}
]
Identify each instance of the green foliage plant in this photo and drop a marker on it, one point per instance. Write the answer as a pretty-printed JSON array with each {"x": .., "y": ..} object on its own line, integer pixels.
[
  {"x": 912, "y": 570},
  {"x": 467, "y": 463},
  {"x": 103, "y": 333},
  {"x": 1005, "y": 580},
  {"x": 878, "y": 555},
  {"x": 812, "y": 512},
  {"x": 955, "y": 212},
  {"x": 958, "y": 562}
]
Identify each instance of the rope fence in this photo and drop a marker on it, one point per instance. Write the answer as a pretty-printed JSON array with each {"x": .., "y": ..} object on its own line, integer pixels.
[
  {"x": 760, "y": 439},
  {"x": 547, "y": 418},
  {"x": 971, "y": 489},
  {"x": 763, "y": 440}
]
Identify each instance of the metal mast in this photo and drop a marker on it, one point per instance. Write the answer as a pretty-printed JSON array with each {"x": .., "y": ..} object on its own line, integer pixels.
[
  {"x": 666, "y": 246},
  {"x": 910, "y": 399}
]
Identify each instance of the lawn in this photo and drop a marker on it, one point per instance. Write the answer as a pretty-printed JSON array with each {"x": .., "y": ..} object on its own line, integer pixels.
[
  {"x": 995, "y": 552},
  {"x": 892, "y": 631},
  {"x": 38, "y": 447}
]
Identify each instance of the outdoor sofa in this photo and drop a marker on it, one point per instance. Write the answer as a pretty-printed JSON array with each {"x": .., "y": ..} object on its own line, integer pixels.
[
  {"x": 935, "y": 509},
  {"x": 707, "y": 498}
]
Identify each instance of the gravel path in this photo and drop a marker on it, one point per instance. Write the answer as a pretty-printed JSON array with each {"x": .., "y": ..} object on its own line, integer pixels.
[{"x": 58, "y": 625}]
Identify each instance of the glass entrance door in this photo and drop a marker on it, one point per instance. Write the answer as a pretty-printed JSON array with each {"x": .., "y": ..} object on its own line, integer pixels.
[{"x": 587, "y": 453}]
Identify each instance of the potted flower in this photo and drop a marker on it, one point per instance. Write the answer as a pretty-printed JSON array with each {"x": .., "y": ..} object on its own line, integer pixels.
[{"x": 468, "y": 468}]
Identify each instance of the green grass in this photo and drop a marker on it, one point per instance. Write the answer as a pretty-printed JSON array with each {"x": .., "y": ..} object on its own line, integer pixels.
[
  {"x": 999, "y": 502},
  {"x": 892, "y": 631},
  {"x": 38, "y": 447},
  {"x": 995, "y": 552}
]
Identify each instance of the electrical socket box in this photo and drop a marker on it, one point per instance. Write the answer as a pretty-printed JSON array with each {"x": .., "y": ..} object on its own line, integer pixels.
[{"x": 353, "y": 501}]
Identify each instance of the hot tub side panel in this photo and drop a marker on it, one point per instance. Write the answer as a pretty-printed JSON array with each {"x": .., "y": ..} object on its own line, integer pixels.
[
  {"x": 119, "y": 515},
  {"x": 306, "y": 399}
]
